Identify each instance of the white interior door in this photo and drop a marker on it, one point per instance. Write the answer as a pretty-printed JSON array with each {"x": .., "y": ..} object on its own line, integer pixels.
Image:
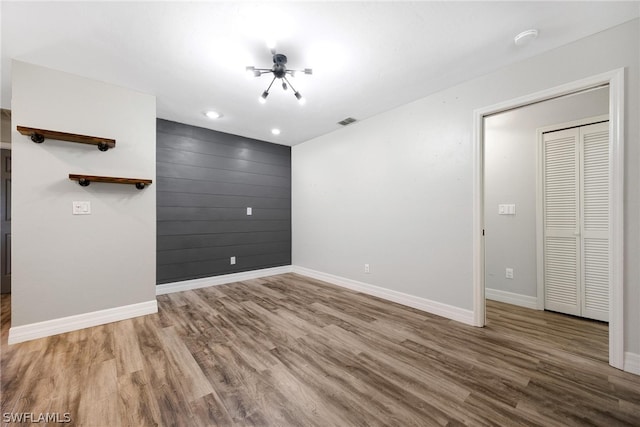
[
  {"x": 561, "y": 222},
  {"x": 594, "y": 140},
  {"x": 576, "y": 246}
]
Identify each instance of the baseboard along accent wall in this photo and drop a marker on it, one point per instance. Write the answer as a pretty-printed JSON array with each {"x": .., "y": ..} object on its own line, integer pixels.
[
  {"x": 433, "y": 307},
  {"x": 206, "y": 181},
  {"x": 205, "y": 282},
  {"x": 47, "y": 328},
  {"x": 511, "y": 298}
]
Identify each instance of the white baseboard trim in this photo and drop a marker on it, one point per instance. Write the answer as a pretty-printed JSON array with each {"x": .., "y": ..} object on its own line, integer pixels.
[
  {"x": 79, "y": 321},
  {"x": 511, "y": 298},
  {"x": 205, "y": 282},
  {"x": 632, "y": 362},
  {"x": 433, "y": 307}
]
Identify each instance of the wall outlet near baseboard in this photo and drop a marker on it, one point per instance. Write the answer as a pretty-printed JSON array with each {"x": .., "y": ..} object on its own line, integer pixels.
[
  {"x": 508, "y": 273},
  {"x": 233, "y": 260},
  {"x": 367, "y": 269}
]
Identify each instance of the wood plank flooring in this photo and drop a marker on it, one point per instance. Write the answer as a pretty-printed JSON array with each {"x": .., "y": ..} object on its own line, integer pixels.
[{"x": 292, "y": 351}]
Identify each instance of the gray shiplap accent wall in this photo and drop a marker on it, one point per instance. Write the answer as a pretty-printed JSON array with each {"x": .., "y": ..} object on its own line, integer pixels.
[{"x": 205, "y": 182}]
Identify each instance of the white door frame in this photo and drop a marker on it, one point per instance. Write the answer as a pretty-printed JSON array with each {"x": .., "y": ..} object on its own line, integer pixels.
[{"x": 615, "y": 80}]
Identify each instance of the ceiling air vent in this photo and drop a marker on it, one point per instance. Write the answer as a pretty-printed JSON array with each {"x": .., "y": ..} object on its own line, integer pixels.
[{"x": 347, "y": 121}]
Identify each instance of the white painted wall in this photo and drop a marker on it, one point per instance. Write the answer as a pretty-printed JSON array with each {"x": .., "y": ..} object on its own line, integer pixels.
[
  {"x": 66, "y": 265},
  {"x": 510, "y": 177},
  {"x": 395, "y": 190}
]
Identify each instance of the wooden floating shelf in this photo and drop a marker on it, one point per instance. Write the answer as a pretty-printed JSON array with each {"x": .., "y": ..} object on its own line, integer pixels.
[
  {"x": 85, "y": 180},
  {"x": 39, "y": 135}
]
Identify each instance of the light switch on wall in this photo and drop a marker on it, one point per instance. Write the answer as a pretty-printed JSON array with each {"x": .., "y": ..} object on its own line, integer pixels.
[
  {"x": 81, "y": 208},
  {"x": 507, "y": 209}
]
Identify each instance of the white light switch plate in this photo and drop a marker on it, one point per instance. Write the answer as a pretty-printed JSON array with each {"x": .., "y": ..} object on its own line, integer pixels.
[
  {"x": 507, "y": 209},
  {"x": 82, "y": 208}
]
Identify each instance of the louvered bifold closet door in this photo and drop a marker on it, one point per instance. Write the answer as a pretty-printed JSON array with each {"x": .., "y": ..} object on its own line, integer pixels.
[
  {"x": 561, "y": 221},
  {"x": 594, "y": 141}
]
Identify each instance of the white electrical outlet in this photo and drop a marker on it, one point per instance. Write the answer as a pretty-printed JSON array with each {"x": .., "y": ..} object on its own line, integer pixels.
[
  {"x": 508, "y": 273},
  {"x": 233, "y": 260},
  {"x": 249, "y": 211},
  {"x": 367, "y": 269}
]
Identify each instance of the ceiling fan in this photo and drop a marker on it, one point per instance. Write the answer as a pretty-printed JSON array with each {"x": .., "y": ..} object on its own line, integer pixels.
[{"x": 279, "y": 71}]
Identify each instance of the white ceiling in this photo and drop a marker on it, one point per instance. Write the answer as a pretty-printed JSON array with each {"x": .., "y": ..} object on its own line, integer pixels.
[{"x": 367, "y": 57}]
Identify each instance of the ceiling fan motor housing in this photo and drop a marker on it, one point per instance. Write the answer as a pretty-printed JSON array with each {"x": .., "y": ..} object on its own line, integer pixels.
[
  {"x": 279, "y": 68},
  {"x": 279, "y": 59}
]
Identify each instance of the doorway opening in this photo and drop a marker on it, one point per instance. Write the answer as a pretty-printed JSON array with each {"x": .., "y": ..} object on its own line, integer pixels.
[
  {"x": 615, "y": 82},
  {"x": 5, "y": 201}
]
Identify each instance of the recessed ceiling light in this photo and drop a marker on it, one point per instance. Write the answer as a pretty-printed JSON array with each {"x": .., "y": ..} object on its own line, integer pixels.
[
  {"x": 525, "y": 37},
  {"x": 275, "y": 131},
  {"x": 213, "y": 114}
]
